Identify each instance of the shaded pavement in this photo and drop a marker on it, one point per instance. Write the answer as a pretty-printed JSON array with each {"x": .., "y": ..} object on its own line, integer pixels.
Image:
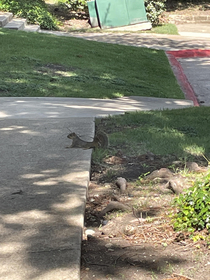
[{"x": 155, "y": 41}]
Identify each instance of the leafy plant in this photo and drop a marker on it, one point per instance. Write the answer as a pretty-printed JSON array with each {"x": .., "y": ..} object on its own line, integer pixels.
[
  {"x": 194, "y": 207},
  {"x": 98, "y": 155},
  {"x": 35, "y": 11},
  {"x": 77, "y": 5},
  {"x": 154, "y": 9}
]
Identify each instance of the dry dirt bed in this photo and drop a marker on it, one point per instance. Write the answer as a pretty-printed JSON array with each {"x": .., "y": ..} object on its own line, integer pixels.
[{"x": 139, "y": 243}]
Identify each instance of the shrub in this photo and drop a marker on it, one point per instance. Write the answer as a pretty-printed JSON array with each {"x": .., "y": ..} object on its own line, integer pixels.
[
  {"x": 78, "y": 5},
  {"x": 35, "y": 11},
  {"x": 194, "y": 207},
  {"x": 154, "y": 9}
]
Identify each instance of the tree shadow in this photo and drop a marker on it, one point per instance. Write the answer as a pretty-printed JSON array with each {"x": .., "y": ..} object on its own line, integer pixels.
[
  {"x": 42, "y": 200},
  {"x": 123, "y": 260}
]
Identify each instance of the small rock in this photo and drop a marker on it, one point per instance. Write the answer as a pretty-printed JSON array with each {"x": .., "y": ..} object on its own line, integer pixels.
[
  {"x": 129, "y": 230},
  {"x": 114, "y": 205},
  {"x": 115, "y": 160},
  {"x": 89, "y": 232},
  {"x": 121, "y": 183},
  {"x": 104, "y": 222},
  {"x": 109, "y": 245},
  {"x": 194, "y": 167},
  {"x": 92, "y": 219},
  {"x": 174, "y": 186},
  {"x": 161, "y": 173}
]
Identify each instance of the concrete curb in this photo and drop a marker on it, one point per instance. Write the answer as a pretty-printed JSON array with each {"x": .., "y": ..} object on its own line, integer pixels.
[{"x": 181, "y": 78}]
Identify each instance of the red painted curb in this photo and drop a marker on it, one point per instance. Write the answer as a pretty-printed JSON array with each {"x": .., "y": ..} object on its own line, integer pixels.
[
  {"x": 182, "y": 79},
  {"x": 179, "y": 73},
  {"x": 190, "y": 53}
]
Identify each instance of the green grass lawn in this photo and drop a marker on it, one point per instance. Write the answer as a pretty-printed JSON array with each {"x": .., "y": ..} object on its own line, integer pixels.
[
  {"x": 183, "y": 133},
  {"x": 167, "y": 28},
  {"x": 35, "y": 64}
]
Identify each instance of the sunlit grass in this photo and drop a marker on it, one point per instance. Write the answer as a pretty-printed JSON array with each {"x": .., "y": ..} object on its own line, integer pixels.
[
  {"x": 168, "y": 28},
  {"x": 46, "y": 65}
]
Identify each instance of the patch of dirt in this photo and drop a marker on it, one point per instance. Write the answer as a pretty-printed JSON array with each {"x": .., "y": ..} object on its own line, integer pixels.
[
  {"x": 75, "y": 25},
  {"x": 70, "y": 20},
  {"x": 139, "y": 243},
  {"x": 120, "y": 259}
]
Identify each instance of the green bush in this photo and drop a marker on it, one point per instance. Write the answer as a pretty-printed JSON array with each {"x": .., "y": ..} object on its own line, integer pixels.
[
  {"x": 194, "y": 207},
  {"x": 35, "y": 11},
  {"x": 78, "y": 5},
  {"x": 154, "y": 9}
]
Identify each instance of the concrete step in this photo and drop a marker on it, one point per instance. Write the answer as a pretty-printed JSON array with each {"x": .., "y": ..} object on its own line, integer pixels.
[
  {"x": 5, "y": 18},
  {"x": 17, "y": 24},
  {"x": 196, "y": 18},
  {"x": 32, "y": 28},
  {"x": 7, "y": 21},
  {"x": 146, "y": 25}
]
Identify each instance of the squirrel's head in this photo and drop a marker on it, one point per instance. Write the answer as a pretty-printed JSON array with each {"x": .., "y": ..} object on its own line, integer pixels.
[{"x": 71, "y": 135}]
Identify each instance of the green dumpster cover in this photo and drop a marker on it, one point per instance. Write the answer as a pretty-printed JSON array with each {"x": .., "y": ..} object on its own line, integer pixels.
[
  {"x": 93, "y": 13},
  {"x": 115, "y": 13}
]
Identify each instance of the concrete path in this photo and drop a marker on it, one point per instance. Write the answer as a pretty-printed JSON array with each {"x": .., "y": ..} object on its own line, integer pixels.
[
  {"x": 196, "y": 30},
  {"x": 155, "y": 41},
  {"x": 191, "y": 68},
  {"x": 42, "y": 195},
  {"x": 43, "y": 184},
  {"x": 51, "y": 107},
  {"x": 197, "y": 71}
]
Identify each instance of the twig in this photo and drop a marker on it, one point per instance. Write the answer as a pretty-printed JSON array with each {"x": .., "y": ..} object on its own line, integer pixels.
[
  {"x": 99, "y": 264},
  {"x": 115, "y": 262},
  {"x": 130, "y": 262},
  {"x": 186, "y": 246}
]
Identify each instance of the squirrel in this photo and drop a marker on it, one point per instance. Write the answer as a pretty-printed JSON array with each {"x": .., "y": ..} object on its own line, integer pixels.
[{"x": 100, "y": 140}]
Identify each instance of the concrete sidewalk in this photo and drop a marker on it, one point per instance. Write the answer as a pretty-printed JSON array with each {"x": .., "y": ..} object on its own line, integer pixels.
[
  {"x": 197, "y": 71},
  {"x": 154, "y": 41},
  {"x": 191, "y": 68},
  {"x": 42, "y": 196},
  {"x": 66, "y": 108},
  {"x": 196, "y": 30},
  {"x": 44, "y": 185}
]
